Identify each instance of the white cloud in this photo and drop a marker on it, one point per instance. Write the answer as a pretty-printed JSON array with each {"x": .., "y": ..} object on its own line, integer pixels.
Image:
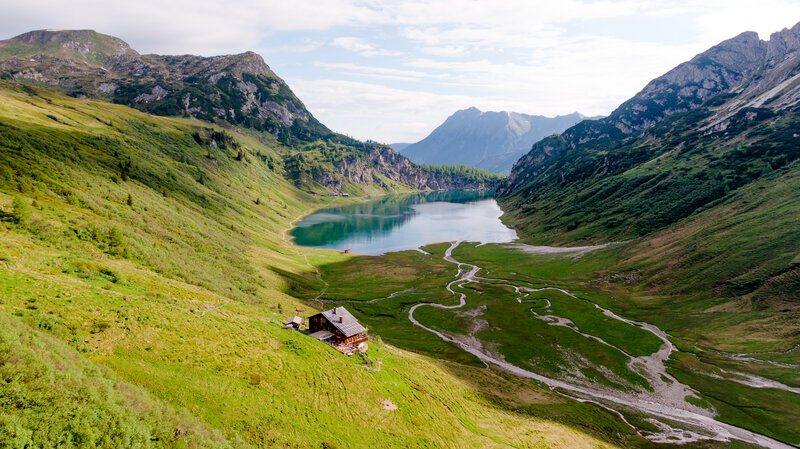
[
  {"x": 362, "y": 47},
  {"x": 185, "y": 26},
  {"x": 446, "y": 51},
  {"x": 427, "y": 58},
  {"x": 355, "y": 44},
  {"x": 378, "y": 112}
]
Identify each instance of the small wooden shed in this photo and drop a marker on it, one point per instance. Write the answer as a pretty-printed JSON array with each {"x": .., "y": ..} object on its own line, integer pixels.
[{"x": 294, "y": 322}]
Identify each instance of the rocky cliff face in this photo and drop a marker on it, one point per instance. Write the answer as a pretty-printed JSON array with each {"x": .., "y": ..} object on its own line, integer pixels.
[
  {"x": 489, "y": 140},
  {"x": 239, "y": 89},
  {"x": 740, "y": 73},
  {"x": 381, "y": 163}
]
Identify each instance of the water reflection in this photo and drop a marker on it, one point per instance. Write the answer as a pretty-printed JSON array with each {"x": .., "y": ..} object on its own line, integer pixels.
[{"x": 400, "y": 222}]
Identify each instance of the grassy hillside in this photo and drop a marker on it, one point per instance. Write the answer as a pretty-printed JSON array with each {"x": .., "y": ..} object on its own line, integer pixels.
[
  {"x": 144, "y": 278},
  {"x": 716, "y": 208}
]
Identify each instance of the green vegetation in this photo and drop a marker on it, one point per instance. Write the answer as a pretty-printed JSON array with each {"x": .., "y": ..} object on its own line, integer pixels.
[
  {"x": 50, "y": 397},
  {"x": 618, "y": 188},
  {"x": 143, "y": 291},
  {"x": 472, "y": 173},
  {"x": 493, "y": 316}
]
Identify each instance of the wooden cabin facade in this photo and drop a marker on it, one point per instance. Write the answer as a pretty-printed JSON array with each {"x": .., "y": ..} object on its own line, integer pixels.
[{"x": 337, "y": 326}]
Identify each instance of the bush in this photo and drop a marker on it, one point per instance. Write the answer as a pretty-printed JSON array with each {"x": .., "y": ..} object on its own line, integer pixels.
[
  {"x": 21, "y": 212},
  {"x": 116, "y": 241}
]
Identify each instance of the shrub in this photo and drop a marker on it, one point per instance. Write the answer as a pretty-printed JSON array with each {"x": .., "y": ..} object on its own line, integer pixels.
[
  {"x": 21, "y": 211},
  {"x": 116, "y": 241}
]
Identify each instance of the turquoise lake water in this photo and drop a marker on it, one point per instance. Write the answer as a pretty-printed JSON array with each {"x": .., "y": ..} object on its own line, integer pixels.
[{"x": 402, "y": 222}]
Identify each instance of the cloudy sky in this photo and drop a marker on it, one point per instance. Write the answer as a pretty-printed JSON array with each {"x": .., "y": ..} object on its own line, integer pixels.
[{"x": 393, "y": 70}]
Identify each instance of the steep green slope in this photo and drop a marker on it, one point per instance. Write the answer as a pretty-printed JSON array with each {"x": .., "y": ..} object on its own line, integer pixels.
[
  {"x": 698, "y": 144},
  {"x": 623, "y": 188},
  {"x": 144, "y": 280}
]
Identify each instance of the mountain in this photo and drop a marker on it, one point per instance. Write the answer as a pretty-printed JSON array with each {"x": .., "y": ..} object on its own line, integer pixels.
[
  {"x": 399, "y": 146},
  {"x": 239, "y": 90},
  {"x": 489, "y": 140},
  {"x": 738, "y": 74},
  {"x": 699, "y": 161}
]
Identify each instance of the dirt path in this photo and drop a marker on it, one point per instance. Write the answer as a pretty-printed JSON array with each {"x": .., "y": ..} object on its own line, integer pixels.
[{"x": 668, "y": 401}]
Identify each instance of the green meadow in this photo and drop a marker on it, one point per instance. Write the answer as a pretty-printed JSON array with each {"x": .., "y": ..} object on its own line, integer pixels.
[{"x": 145, "y": 275}]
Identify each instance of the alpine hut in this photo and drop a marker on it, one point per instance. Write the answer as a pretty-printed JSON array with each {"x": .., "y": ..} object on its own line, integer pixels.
[{"x": 337, "y": 326}]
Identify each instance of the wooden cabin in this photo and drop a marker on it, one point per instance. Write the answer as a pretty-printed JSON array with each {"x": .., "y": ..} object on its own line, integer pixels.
[
  {"x": 337, "y": 326},
  {"x": 294, "y": 322}
]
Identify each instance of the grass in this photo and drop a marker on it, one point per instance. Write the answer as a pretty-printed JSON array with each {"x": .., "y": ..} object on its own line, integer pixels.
[
  {"x": 157, "y": 321},
  {"x": 769, "y": 411},
  {"x": 602, "y": 276}
]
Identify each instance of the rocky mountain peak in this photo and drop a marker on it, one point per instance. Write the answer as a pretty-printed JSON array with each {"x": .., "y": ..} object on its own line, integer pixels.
[
  {"x": 248, "y": 62},
  {"x": 739, "y": 73},
  {"x": 81, "y": 45},
  {"x": 782, "y": 43},
  {"x": 240, "y": 89},
  {"x": 492, "y": 140}
]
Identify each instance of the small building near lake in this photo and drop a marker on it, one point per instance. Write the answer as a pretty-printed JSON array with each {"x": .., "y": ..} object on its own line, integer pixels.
[
  {"x": 294, "y": 322},
  {"x": 337, "y": 326}
]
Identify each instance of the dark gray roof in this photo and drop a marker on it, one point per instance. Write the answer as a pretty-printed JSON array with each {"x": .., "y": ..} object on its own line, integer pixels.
[{"x": 348, "y": 326}]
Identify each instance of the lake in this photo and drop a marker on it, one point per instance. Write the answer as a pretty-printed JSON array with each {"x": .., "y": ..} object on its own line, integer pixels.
[{"x": 402, "y": 222}]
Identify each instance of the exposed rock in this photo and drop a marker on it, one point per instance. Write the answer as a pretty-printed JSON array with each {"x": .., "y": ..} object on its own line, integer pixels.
[
  {"x": 86, "y": 63},
  {"x": 745, "y": 71},
  {"x": 156, "y": 94},
  {"x": 107, "y": 88}
]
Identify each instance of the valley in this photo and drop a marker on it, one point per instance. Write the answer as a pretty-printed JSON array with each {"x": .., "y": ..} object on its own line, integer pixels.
[
  {"x": 489, "y": 322},
  {"x": 633, "y": 283},
  {"x": 144, "y": 282}
]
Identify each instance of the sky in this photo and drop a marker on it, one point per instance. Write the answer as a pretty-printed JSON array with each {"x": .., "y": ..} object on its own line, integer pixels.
[{"x": 392, "y": 71}]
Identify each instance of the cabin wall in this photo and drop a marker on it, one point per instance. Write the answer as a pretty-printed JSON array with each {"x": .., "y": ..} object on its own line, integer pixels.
[
  {"x": 319, "y": 323},
  {"x": 355, "y": 339}
]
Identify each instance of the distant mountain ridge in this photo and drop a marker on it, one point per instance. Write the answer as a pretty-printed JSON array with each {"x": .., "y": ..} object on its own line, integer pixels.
[{"x": 489, "y": 140}]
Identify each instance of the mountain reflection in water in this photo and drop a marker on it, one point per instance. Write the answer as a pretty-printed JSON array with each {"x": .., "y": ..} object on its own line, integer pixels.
[{"x": 401, "y": 222}]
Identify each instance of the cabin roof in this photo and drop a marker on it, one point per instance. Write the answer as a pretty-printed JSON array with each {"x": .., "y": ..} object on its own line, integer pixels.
[
  {"x": 321, "y": 335},
  {"x": 348, "y": 326},
  {"x": 295, "y": 320}
]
